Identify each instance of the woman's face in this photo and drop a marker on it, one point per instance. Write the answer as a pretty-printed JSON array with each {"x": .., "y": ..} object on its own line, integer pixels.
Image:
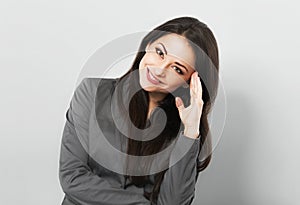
[{"x": 168, "y": 63}]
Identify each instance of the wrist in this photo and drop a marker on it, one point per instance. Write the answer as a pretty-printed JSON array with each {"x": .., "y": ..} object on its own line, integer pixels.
[{"x": 191, "y": 132}]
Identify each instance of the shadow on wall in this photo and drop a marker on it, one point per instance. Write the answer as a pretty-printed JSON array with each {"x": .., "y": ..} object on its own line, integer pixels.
[{"x": 226, "y": 181}]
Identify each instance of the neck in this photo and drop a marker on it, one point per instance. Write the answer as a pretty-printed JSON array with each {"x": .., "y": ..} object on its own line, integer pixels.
[
  {"x": 153, "y": 100},
  {"x": 154, "y": 97}
]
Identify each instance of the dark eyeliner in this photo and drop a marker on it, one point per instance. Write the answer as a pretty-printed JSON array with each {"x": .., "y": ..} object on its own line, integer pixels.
[
  {"x": 159, "y": 50},
  {"x": 181, "y": 73}
]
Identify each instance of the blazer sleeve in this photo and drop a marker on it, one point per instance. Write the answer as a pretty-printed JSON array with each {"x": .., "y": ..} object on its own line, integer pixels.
[
  {"x": 178, "y": 185},
  {"x": 77, "y": 180}
]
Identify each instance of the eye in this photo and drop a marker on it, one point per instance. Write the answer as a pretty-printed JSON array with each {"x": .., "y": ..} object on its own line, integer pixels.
[
  {"x": 159, "y": 52},
  {"x": 178, "y": 70}
]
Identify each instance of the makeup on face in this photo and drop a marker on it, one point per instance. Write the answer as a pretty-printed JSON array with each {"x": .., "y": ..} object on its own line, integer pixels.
[{"x": 167, "y": 64}]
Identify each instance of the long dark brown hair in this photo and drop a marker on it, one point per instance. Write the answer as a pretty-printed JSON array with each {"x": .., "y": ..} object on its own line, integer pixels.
[{"x": 205, "y": 47}]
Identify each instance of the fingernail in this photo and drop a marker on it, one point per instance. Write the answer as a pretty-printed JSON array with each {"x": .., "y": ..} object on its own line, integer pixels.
[{"x": 176, "y": 101}]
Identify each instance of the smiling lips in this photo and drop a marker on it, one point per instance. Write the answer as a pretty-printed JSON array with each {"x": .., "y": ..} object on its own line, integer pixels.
[{"x": 151, "y": 78}]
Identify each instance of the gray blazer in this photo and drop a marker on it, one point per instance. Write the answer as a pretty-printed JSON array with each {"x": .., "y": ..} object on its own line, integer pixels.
[{"x": 87, "y": 179}]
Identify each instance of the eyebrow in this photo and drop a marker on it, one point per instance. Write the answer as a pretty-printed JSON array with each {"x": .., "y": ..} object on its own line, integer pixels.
[
  {"x": 182, "y": 66},
  {"x": 175, "y": 62},
  {"x": 163, "y": 47}
]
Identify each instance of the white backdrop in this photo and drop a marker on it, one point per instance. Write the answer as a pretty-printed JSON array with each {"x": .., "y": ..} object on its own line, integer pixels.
[{"x": 44, "y": 44}]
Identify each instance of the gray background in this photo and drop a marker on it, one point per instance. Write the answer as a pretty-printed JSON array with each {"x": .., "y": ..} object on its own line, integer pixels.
[{"x": 44, "y": 44}]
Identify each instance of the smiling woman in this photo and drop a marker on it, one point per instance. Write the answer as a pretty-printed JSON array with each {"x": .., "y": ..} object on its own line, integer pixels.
[
  {"x": 167, "y": 64},
  {"x": 175, "y": 72},
  {"x": 169, "y": 61}
]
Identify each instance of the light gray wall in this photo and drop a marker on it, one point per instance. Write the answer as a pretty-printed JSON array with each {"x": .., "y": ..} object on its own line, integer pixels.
[{"x": 44, "y": 44}]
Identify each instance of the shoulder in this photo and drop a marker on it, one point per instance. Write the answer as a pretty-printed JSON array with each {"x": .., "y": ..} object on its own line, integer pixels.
[
  {"x": 90, "y": 85},
  {"x": 86, "y": 91}
]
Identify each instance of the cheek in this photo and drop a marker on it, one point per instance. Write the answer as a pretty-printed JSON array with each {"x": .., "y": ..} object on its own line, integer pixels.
[
  {"x": 149, "y": 58},
  {"x": 175, "y": 80},
  {"x": 142, "y": 62}
]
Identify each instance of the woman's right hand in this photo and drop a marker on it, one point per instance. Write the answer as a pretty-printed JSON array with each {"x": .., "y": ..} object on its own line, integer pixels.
[{"x": 191, "y": 115}]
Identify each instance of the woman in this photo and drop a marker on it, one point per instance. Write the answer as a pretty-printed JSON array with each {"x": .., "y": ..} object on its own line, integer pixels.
[{"x": 172, "y": 82}]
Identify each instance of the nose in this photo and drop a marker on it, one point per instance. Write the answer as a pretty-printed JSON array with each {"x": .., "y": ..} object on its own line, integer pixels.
[
  {"x": 159, "y": 71},
  {"x": 161, "y": 68}
]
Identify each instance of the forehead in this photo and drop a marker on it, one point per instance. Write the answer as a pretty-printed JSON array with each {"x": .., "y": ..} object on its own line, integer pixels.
[{"x": 178, "y": 47}]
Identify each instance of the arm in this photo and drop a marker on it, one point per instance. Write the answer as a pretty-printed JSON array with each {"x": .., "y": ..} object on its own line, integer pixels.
[
  {"x": 78, "y": 182},
  {"x": 178, "y": 185}
]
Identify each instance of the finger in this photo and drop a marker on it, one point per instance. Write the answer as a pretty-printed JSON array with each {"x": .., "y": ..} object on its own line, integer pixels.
[
  {"x": 196, "y": 81},
  {"x": 179, "y": 103},
  {"x": 199, "y": 89},
  {"x": 193, "y": 92},
  {"x": 192, "y": 89}
]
